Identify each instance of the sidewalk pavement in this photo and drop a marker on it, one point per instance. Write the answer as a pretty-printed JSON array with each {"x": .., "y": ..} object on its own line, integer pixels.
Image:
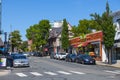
[
  {"x": 117, "y": 65},
  {"x": 4, "y": 72}
]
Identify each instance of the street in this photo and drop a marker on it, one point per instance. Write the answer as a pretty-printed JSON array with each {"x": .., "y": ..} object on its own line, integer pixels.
[{"x": 44, "y": 68}]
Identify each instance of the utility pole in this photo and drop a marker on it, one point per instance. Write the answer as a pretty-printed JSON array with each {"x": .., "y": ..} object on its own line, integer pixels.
[
  {"x": 5, "y": 42},
  {"x": 0, "y": 16}
]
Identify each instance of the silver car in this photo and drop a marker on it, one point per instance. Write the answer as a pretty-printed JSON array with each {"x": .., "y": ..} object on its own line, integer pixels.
[{"x": 20, "y": 60}]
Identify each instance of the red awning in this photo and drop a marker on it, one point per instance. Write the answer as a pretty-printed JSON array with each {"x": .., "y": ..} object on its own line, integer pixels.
[
  {"x": 75, "y": 46},
  {"x": 84, "y": 44}
]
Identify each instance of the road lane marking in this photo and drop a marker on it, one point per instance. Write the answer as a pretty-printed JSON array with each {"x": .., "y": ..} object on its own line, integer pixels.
[
  {"x": 115, "y": 72},
  {"x": 36, "y": 73},
  {"x": 76, "y": 72},
  {"x": 50, "y": 73},
  {"x": 63, "y": 72},
  {"x": 21, "y": 75}
]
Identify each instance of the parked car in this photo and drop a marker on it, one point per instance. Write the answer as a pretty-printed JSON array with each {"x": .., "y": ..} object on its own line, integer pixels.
[
  {"x": 52, "y": 55},
  {"x": 20, "y": 60},
  {"x": 71, "y": 57},
  {"x": 56, "y": 56},
  {"x": 62, "y": 55},
  {"x": 26, "y": 54},
  {"x": 38, "y": 54},
  {"x": 85, "y": 59}
]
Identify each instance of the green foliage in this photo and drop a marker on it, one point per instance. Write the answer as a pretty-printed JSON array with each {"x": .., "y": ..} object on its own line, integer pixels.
[
  {"x": 24, "y": 46},
  {"x": 85, "y": 27},
  {"x": 106, "y": 23},
  {"x": 15, "y": 39},
  {"x": 65, "y": 35},
  {"x": 38, "y": 33},
  {"x": 75, "y": 31},
  {"x": 108, "y": 30}
]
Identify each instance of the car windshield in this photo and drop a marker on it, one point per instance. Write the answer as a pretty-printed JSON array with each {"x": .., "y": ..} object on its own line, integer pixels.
[
  {"x": 86, "y": 56},
  {"x": 19, "y": 57},
  {"x": 73, "y": 55},
  {"x": 62, "y": 53}
]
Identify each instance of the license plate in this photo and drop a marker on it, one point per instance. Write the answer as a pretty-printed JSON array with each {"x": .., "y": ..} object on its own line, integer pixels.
[{"x": 91, "y": 62}]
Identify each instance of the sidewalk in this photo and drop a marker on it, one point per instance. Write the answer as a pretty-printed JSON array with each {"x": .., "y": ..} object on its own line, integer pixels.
[
  {"x": 117, "y": 65},
  {"x": 5, "y": 71}
]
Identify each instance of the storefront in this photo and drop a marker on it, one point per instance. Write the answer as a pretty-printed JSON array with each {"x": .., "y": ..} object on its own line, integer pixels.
[
  {"x": 91, "y": 44},
  {"x": 116, "y": 48},
  {"x": 116, "y": 51},
  {"x": 95, "y": 39}
]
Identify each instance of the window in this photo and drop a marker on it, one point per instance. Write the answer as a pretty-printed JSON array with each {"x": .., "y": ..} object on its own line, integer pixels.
[{"x": 118, "y": 20}]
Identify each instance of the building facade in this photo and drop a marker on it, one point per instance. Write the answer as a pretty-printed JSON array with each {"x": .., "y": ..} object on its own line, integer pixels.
[
  {"x": 55, "y": 36},
  {"x": 116, "y": 50},
  {"x": 91, "y": 44}
]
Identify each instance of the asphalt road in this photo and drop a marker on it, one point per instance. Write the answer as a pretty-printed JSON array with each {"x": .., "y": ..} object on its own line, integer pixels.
[{"x": 43, "y": 68}]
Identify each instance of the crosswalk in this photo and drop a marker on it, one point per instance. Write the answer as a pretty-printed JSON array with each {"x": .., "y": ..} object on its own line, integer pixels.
[
  {"x": 49, "y": 73},
  {"x": 113, "y": 72},
  {"x": 55, "y": 73}
]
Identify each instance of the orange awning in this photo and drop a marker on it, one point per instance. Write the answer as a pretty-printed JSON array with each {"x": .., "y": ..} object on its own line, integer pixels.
[{"x": 83, "y": 44}]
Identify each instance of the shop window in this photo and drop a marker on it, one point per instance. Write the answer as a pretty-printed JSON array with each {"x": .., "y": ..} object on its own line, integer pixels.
[
  {"x": 118, "y": 20},
  {"x": 95, "y": 48},
  {"x": 118, "y": 54}
]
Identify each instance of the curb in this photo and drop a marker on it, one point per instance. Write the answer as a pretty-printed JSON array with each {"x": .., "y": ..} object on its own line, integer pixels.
[
  {"x": 110, "y": 65},
  {"x": 4, "y": 72}
]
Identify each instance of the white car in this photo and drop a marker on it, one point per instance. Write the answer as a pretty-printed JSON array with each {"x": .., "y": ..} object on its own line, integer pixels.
[
  {"x": 20, "y": 60},
  {"x": 62, "y": 55},
  {"x": 56, "y": 56},
  {"x": 26, "y": 54}
]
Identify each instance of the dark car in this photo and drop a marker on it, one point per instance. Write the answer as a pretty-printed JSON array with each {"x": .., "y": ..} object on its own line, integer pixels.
[
  {"x": 71, "y": 57},
  {"x": 38, "y": 54},
  {"x": 85, "y": 59},
  {"x": 52, "y": 55}
]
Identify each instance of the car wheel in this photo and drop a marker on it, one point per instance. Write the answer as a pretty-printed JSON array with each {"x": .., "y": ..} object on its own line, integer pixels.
[
  {"x": 76, "y": 61},
  {"x": 70, "y": 60},
  {"x": 82, "y": 62},
  {"x": 59, "y": 58},
  {"x": 66, "y": 60}
]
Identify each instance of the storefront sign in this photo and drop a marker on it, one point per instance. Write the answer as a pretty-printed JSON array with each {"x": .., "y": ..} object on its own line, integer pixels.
[
  {"x": 92, "y": 37},
  {"x": 2, "y": 62},
  {"x": 97, "y": 36},
  {"x": 75, "y": 40}
]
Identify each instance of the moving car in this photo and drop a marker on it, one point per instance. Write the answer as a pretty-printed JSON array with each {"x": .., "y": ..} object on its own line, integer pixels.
[
  {"x": 85, "y": 59},
  {"x": 20, "y": 60}
]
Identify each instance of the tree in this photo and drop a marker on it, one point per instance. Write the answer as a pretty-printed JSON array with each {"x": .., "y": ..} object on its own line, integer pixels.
[
  {"x": 24, "y": 46},
  {"x": 106, "y": 23},
  {"x": 15, "y": 40},
  {"x": 108, "y": 31},
  {"x": 65, "y": 35},
  {"x": 75, "y": 31},
  {"x": 85, "y": 27},
  {"x": 39, "y": 33}
]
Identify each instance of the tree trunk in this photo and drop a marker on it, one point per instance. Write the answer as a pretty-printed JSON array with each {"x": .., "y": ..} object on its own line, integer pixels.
[
  {"x": 109, "y": 56},
  {"x": 12, "y": 48}
]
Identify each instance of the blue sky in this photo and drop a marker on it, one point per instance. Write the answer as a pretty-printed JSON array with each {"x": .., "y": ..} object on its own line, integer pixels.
[{"x": 20, "y": 14}]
